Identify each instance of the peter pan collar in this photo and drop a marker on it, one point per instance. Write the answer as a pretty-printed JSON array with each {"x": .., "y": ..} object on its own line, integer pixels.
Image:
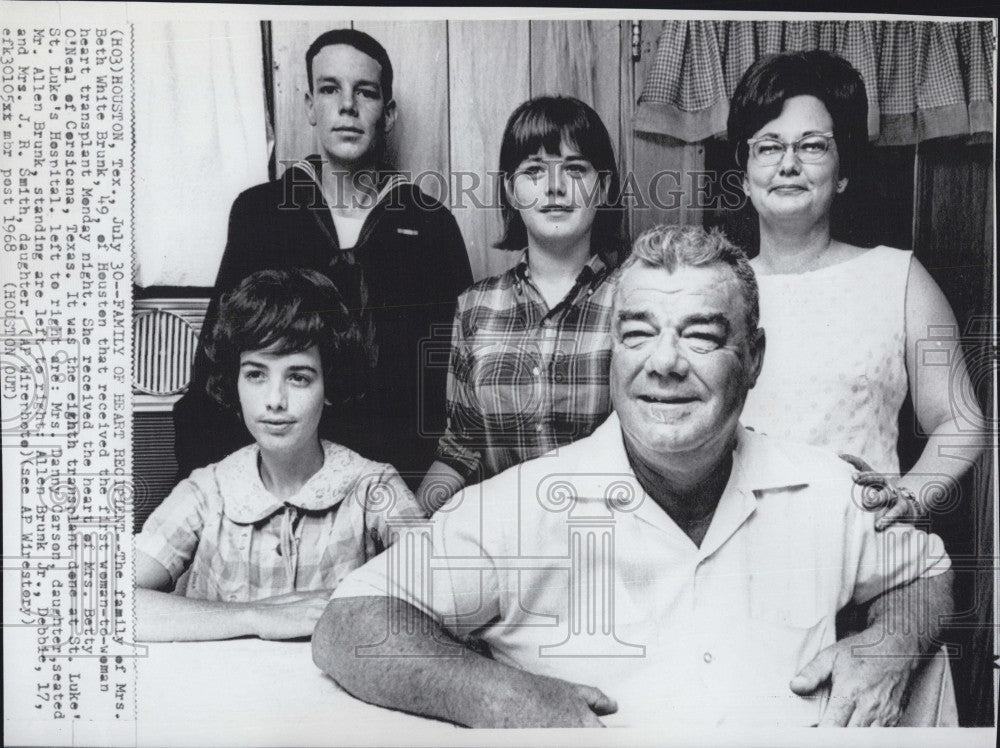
[{"x": 246, "y": 501}]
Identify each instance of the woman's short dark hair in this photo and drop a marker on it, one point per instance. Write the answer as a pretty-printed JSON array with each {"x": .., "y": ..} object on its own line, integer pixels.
[
  {"x": 292, "y": 310},
  {"x": 774, "y": 79},
  {"x": 546, "y": 122}
]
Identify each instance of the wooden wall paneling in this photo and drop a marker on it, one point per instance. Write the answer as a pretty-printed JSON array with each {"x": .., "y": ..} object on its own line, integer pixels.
[
  {"x": 293, "y": 135},
  {"x": 877, "y": 207},
  {"x": 982, "y": 698},
  {"x": 581, "y": 59},
  {"x": 488, "y": 77},
  {"x": 419, "y": 142},
  {"x": 626, "y": 113},
  {"x": 952, "y": 207},
  {"x": 667, "y": 172},
  {"x": 953, "y": 239}
]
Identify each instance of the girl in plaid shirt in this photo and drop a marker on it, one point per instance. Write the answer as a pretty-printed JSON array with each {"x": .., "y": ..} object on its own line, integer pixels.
[
  {"x": 531, "y": 348},
  {"x": 264, "y": 536}
]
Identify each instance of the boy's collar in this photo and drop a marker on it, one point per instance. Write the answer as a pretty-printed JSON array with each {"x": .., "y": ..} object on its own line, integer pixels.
[
  {"x": 386, "y": 180},
  {"x": 315, "y": 165}
]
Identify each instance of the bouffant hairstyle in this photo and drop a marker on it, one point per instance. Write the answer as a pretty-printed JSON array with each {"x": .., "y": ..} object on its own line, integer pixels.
[
  {"x": 546, "y": 123},
  {"x": 287, "y": 311},
  {"x": 772, "y": 80}
]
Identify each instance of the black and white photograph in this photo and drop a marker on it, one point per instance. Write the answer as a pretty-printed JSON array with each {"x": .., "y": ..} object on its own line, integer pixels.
[{"x": 400, "y": 376}]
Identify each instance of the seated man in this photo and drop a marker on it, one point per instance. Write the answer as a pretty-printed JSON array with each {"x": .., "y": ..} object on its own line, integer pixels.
[{"x": 673, "y": 566}]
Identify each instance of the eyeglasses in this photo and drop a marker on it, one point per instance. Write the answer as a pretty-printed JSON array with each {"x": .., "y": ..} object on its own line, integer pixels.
[{"x": 808, "y": 149}]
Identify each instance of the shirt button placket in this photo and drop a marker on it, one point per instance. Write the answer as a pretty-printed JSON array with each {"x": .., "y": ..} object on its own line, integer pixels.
[
  {"x": 707, "y": 657},
  {"x": 244, "y": 547}
]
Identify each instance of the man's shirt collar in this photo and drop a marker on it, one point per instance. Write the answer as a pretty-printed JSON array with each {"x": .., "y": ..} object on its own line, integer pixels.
[{"x": 758, "y": 467}]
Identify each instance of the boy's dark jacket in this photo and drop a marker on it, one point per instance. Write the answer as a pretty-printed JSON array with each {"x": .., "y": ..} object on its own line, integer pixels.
[{"x": 405, "y": 271}]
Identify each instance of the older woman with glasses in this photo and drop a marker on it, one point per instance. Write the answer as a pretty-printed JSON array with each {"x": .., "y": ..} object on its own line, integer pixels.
[{"x": 844, "y": 324}]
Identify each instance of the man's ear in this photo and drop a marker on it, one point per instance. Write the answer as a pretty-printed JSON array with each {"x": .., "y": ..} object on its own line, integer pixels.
[
  {"x": 310, "y": 111},
  {"x": 389, "y": 116},
  {"x": 758, "y": 342}
]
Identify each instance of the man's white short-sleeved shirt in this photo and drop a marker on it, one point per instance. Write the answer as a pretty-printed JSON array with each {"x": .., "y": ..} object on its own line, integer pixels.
[{"x": 567, "y": 568}]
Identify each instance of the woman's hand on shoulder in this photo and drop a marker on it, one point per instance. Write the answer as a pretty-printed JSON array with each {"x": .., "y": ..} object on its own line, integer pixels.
[{"x": 882, "y": 491}]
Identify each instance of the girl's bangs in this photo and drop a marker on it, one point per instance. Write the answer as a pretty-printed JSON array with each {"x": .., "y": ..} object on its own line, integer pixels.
[
  {"x": 293, "y": 334},
  {"x": 538, "y": 130}
]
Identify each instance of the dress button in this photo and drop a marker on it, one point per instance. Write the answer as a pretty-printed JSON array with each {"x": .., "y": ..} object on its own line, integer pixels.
[
  {"x": 707, "y": 657},
  {"x": 536, "y": 371}
]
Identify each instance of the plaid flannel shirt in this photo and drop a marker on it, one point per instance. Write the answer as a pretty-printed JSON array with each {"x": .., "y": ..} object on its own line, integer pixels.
[
  {"x": 524, "y": 379},
  {"x": 240, "y": 543}
]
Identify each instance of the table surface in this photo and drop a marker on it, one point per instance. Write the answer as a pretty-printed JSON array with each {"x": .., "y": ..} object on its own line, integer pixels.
[
  {"x": 255, "y": 692},
  {"x": 250, "y": 691}
]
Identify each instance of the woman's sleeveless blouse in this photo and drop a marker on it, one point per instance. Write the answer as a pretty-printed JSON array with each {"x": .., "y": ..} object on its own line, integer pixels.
[{"x": 834, "y": 369}]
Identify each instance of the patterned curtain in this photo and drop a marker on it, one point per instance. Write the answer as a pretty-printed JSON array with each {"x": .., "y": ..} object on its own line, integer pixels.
[{"x": 924, "y": 79}]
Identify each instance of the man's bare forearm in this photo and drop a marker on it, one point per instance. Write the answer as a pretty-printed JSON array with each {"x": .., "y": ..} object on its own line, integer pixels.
[{"x": 424, "y": 670}]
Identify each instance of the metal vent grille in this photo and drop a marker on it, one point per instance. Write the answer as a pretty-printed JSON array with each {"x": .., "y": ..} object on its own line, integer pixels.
[
  {"x": 165, "y": 345},
  {"x": 153, "y": 464}
]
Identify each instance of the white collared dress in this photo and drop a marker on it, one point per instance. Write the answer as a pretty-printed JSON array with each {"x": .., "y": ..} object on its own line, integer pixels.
[{"x": 241, "y": 543}]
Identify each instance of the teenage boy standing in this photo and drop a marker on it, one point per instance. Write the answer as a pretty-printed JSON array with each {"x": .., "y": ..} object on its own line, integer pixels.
[{"x": 395, "y": 254}]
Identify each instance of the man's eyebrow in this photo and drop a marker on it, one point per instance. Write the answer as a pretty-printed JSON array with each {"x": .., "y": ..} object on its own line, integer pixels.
[
  {"x": 359, "y": 82},
  {"x": 627, "y": 315},
  {"x": 706, "y": 319}
]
